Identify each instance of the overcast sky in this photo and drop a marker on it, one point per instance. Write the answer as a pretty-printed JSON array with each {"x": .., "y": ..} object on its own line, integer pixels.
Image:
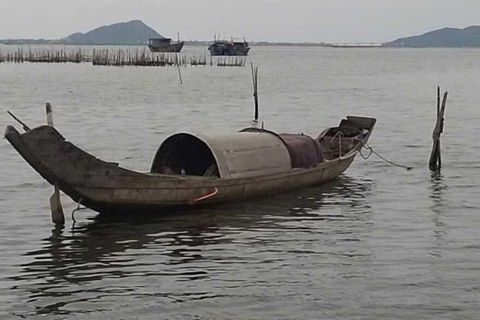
[{"x": 337, "y": 21}]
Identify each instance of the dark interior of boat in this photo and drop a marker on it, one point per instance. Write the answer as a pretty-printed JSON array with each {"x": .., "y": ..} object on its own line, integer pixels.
[{"x": 185, "y": 154}]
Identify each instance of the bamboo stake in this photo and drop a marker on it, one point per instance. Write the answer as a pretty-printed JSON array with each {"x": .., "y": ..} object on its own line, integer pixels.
[
  {"x": 255, "y": 90},
  {"x": 179, "y": 72},
  {"x": 435, "y": 156}
]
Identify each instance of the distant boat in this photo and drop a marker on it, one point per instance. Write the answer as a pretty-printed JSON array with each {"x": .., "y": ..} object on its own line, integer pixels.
[
  {"x": 229, "y": 48},
  {"x": 164, "y": 45}
]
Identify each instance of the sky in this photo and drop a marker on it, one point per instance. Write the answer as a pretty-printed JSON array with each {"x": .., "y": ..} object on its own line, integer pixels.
[{"x": 335, "y": 21}]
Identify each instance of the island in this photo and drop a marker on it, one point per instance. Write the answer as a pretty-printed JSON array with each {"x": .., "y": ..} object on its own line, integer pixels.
[
  {"x": 442, "y": 38},
  {"x": 134, "y": 32}
]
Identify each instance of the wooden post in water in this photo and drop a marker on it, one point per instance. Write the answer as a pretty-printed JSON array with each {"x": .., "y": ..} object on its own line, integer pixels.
[
  {"x": 255, "y": 90},
  {"x": 435, "y": 156},
  {"x": 178, "y": 67},
  {"x": 55, "y": 204},
  {"x": 48, "y": 111}
]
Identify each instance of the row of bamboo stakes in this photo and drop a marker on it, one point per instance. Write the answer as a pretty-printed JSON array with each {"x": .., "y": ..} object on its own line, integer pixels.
[
  {"x": 43, "y": 55},
  {"x": 120, "y": 58}
]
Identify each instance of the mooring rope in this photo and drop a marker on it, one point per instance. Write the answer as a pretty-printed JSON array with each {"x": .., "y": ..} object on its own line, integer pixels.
[
  {"x": 366, "y": 146},
  {"x": 340, "y": 135},
  {"x": 78, "y": 208}
]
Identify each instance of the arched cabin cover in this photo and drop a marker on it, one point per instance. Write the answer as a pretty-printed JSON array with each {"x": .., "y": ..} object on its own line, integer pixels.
[{"x": 244, "y": 154}]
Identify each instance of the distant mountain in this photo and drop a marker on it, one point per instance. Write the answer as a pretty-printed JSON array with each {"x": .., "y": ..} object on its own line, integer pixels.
[
  {"x": 446, "y": 37},
  {"x": 134, "y": 32}
]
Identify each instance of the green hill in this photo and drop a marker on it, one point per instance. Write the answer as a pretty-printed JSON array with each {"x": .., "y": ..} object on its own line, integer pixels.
[
  {"x": 133, "y": 32},
  {"x": 442, "y": 38}
]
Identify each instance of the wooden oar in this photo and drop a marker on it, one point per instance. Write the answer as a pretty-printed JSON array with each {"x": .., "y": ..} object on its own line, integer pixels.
[{"x": 56, "y": 206}]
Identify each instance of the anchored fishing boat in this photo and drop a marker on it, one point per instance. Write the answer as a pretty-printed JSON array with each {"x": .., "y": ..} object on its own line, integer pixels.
[
  {"x": 229, "y": 48},
  {"x": 193, "y": 169},
  {"x": 164, "y": 45}
]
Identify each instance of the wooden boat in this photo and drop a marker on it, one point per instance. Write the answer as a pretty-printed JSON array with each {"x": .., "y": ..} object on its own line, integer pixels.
[
  {"x": 229, "y": 48},
  {"x": 164, "y": 45},
  {"x": 192, "y": 170}
]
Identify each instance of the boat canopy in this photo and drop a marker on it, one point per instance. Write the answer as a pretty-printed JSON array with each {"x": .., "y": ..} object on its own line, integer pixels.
[
  {"x": 304, "y": 151},
  {"x": 239, "y": 155}
]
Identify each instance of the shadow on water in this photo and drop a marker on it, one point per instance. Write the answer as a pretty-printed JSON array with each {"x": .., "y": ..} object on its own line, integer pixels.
[{"x": 75, "y": 266}]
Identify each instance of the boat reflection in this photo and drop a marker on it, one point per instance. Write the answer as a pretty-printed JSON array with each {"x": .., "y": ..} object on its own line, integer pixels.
[{"x": 184, "y": 246}]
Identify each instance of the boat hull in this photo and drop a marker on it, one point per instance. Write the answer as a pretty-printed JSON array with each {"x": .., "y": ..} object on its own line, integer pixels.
[
  {"x": 145, "y": 198},
  {"x": 167, "y": 48},
  {"x": 107, "y": 187},
  {"x": 228, "y": 49}
]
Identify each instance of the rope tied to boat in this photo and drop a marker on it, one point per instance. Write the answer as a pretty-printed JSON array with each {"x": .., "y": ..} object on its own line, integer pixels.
[
  {"x": 340, "y": 135},
  {"x": 78, "y": 208},
  {"x": 371, "y": 151}
]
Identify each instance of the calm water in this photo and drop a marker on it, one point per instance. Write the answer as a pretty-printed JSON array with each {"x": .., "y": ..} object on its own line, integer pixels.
[{"x": 380, "y": 242}]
